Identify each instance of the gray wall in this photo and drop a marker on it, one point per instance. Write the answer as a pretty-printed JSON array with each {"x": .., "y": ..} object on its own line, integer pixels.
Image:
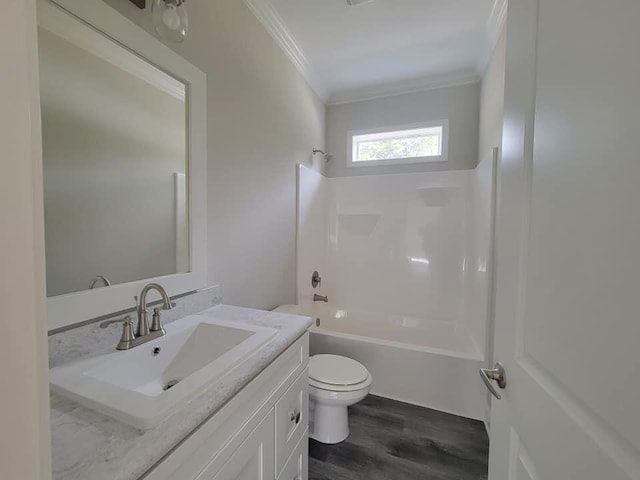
[
  {"x": 459, "y": 104},
  {"x": 263, "y": 119}
]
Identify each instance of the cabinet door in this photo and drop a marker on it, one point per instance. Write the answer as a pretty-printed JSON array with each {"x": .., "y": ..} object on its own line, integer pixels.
[
  {"x": 297, "y": 467},
  {"x": 253, "y": 460}
]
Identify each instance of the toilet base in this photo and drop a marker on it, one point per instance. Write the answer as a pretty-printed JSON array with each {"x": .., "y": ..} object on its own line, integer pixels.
[
  {"x": 328, "y": 413},
  {"x": 328, "y": 423}
]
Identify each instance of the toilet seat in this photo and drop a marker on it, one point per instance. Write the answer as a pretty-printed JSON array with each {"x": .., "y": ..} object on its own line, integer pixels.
[
  {"x": 337, "y": 374},
  {"x": 340, "y": 388}
]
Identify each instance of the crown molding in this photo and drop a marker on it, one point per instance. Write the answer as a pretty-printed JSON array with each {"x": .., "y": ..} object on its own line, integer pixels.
[
  {"x": 271, "y": 21},
  {"x": 267, "y": 15},
  {"x": 401, "y": 88}
]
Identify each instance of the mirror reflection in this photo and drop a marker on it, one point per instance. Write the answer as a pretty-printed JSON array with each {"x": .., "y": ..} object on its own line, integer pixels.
[{"x": 114, "y": 131}]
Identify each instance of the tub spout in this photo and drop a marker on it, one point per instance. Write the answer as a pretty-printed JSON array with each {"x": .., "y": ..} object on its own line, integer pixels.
[{"x": 320, "y": 298}]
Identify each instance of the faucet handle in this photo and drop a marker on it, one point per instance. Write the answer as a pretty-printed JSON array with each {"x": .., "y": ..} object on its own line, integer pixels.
[
  {"x": 127, "y": 331},
  {"x": 127, "y": 334},
  {"x": 156, "y": 322},
  {"x": 122, "y": 320}
]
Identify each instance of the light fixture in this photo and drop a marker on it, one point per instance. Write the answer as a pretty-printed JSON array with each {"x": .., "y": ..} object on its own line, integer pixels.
[{"x": 170, "y": 19}]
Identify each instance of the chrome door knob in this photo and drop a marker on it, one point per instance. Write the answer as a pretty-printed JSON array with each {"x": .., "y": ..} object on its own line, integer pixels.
[{"x": 496, "y": 374}]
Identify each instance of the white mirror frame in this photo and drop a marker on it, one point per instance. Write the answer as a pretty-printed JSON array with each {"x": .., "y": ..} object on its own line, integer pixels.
[{"x": 68, "y": 309}]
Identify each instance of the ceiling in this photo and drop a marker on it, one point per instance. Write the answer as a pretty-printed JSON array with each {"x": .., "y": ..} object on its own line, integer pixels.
[{"x": 383, "y": 47}]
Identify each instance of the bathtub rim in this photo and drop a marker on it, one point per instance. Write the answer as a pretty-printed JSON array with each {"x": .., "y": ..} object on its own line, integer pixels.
[{"x": 477, "y": 356}]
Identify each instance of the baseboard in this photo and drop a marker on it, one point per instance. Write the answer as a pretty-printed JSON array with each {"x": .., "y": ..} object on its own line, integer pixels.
[{"x": 418, "y": 404}]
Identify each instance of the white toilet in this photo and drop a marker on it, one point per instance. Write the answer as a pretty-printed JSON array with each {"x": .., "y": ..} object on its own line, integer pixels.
[{"x": 335, "y": 383}]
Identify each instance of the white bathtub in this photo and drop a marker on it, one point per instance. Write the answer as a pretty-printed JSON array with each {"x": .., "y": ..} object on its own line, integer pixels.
[{"x": 428, "y": 363}]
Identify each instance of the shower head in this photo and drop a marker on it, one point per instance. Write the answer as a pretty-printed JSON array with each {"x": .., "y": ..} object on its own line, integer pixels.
[{"x": 327, "y": 157}]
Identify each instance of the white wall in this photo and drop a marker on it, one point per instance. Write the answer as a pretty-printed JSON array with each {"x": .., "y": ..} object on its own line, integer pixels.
[
  {"x": 263, "y": 119},
  {"x": 459, "y": 104},
  {"x": 492, "y": 99},
  {"x": 108, "y": 210},
  {"x": 24, "y": 399},
  {"x": 383, "y": 231}
]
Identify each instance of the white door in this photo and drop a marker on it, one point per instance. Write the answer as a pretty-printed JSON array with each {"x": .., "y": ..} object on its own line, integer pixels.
[{"x": 568, "y": 244}]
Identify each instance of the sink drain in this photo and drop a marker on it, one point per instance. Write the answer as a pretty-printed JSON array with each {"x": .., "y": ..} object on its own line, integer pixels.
[{"x": 169, "y": 384}]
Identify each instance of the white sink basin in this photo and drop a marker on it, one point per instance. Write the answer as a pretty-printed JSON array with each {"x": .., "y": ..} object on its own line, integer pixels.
[{"x": 141, "y": 387}]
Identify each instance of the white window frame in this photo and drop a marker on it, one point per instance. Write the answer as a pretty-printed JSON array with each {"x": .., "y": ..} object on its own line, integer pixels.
[{"x": 399, "y": 161}]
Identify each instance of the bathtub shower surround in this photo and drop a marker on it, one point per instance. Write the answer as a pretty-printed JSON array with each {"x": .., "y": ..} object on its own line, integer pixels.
[{"x": 405, "y": 261}]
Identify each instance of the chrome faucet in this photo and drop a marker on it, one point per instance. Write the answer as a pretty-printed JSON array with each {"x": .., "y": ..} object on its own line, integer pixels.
[
  {"x": 320, "y": 298},
  {"x": 144, "y": 332},
  {"x": 143, "y": 323}
]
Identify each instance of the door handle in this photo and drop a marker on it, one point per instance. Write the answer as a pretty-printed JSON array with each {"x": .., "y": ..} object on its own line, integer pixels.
[{"x": 496, "y": 374}]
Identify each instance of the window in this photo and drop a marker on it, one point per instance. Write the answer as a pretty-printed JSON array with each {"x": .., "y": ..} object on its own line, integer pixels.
[{"x": 418, "y": 143}]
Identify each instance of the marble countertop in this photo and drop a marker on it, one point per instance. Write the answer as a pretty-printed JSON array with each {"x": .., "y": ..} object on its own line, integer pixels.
[{"x": 88, "y": 445}]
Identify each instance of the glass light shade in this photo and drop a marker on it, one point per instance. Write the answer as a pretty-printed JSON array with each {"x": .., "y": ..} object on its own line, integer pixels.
[{"x": 170, "y": 19}]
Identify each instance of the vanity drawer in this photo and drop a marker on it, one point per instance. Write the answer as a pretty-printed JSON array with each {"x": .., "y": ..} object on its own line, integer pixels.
[
  {"x": 292, "y": 419},
  {"x": 297, "y": 467}
]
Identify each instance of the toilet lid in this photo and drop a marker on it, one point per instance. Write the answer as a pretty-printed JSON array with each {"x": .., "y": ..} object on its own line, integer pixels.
[{"x": 336, "y": 370}]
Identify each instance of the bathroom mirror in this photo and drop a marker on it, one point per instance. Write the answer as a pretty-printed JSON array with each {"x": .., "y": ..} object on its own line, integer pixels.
[{"x": 123, "y": 139}]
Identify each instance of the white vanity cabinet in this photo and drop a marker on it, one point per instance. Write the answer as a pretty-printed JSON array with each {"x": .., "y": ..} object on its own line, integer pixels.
[{"x": 260, "y": 434}]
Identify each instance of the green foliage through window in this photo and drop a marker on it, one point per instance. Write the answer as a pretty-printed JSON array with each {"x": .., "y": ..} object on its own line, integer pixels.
[
  {"x": 409, "y": 143},
  {"x": 411, "y": 147}
]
